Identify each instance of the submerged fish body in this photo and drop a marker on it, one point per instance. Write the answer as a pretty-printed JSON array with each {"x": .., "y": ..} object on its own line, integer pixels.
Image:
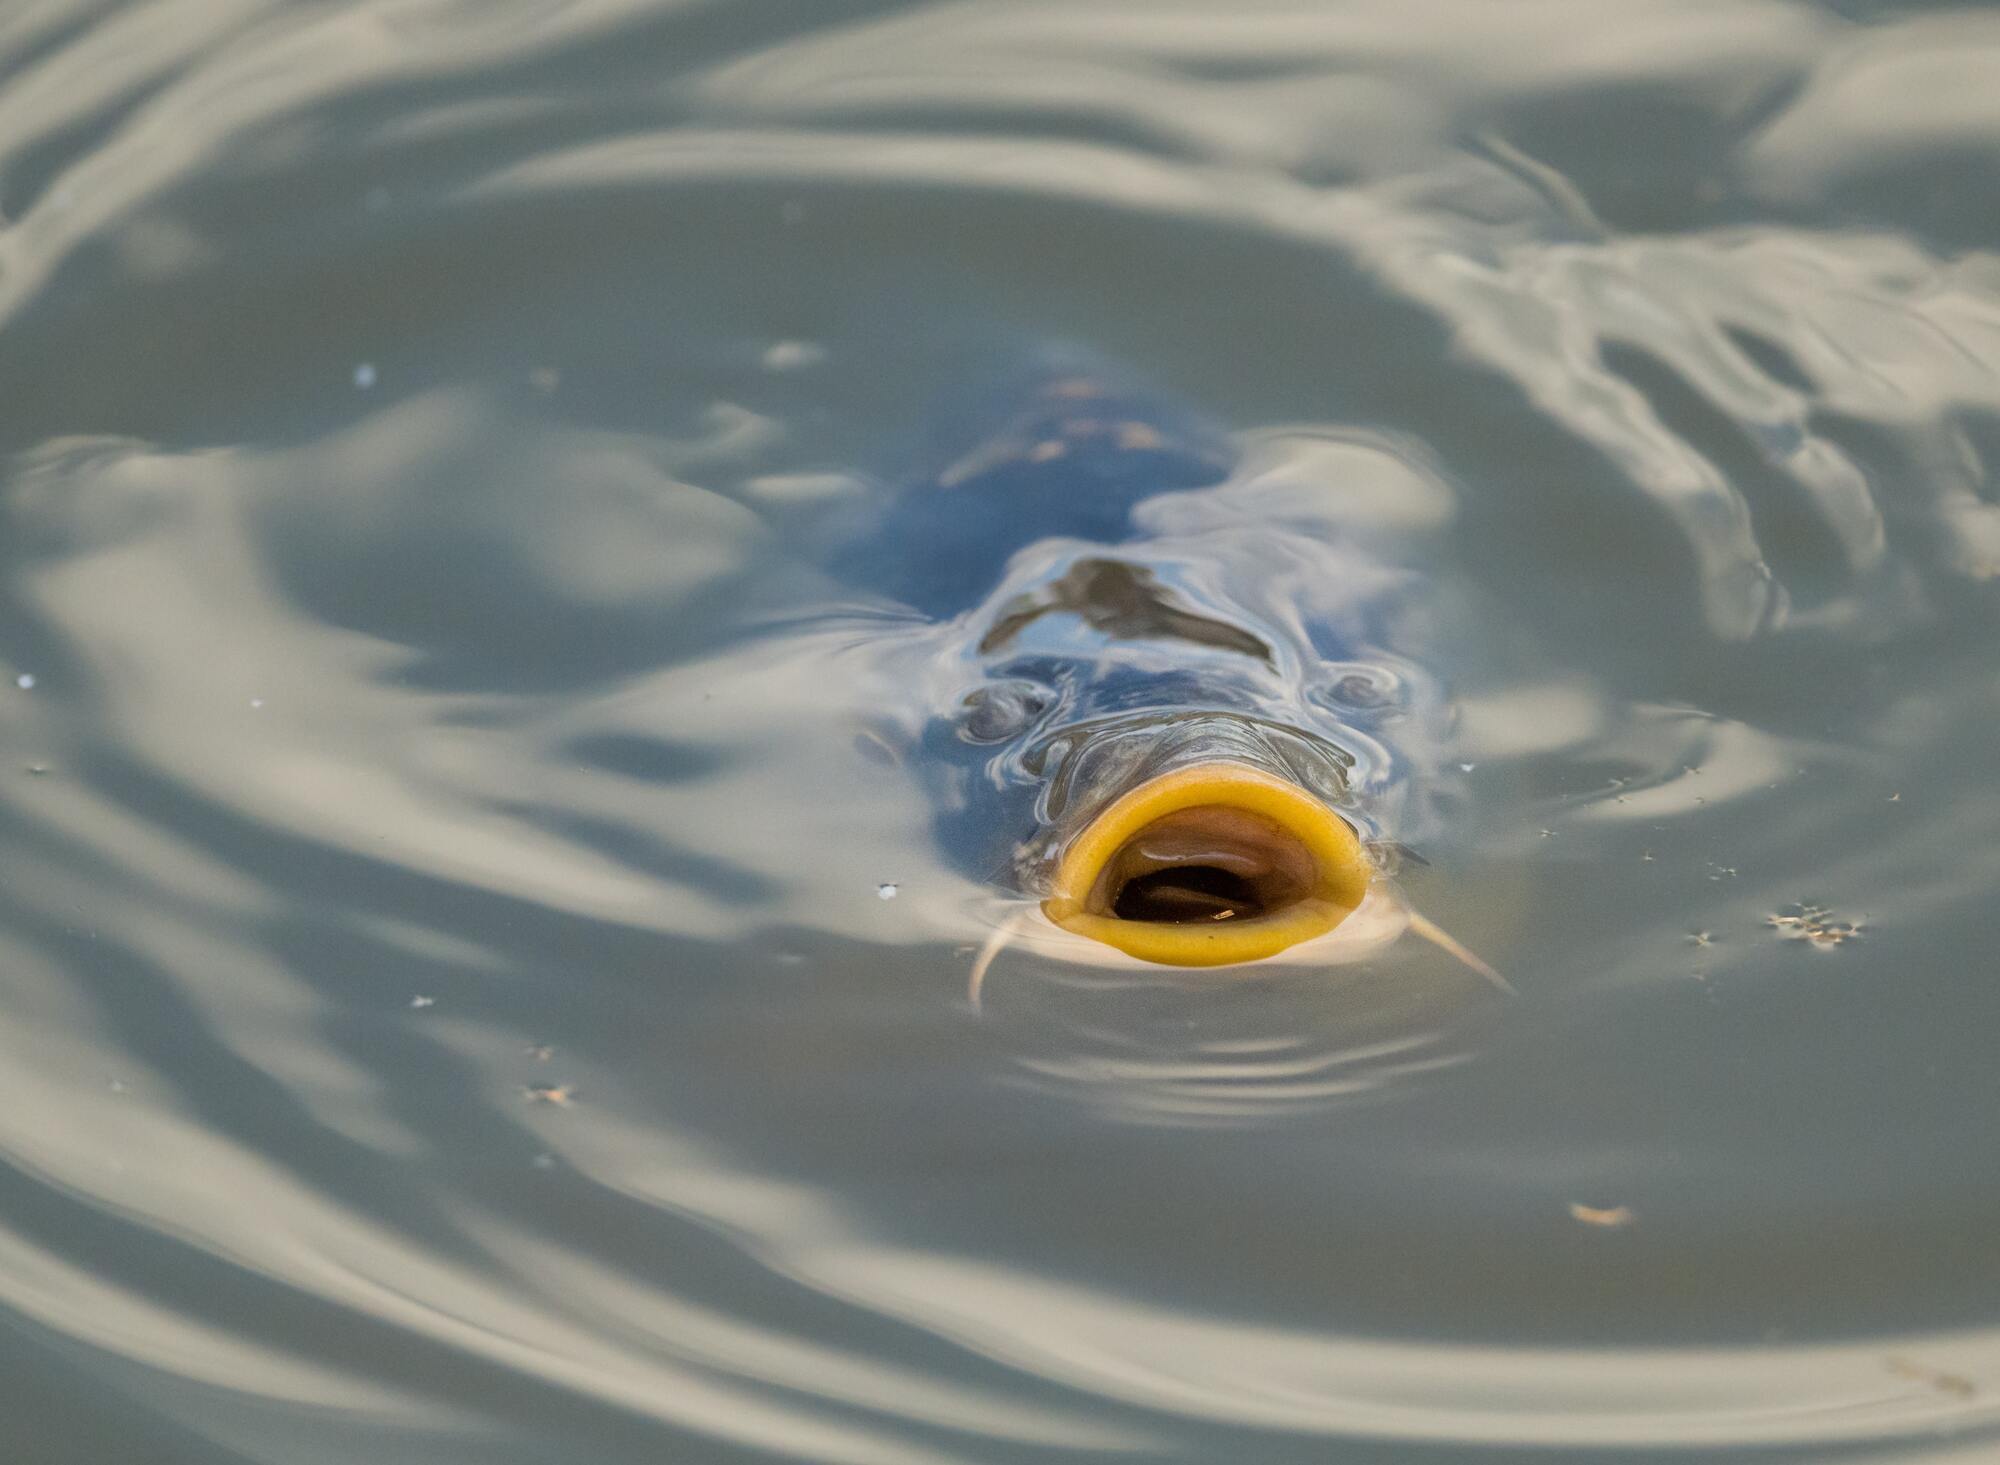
[
  {"x": 1181, "y": 723},
  {"x": 1067, "y": 454}
]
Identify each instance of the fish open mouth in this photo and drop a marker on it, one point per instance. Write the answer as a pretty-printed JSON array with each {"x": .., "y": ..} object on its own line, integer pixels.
[{"x": 1209, "y": 865}]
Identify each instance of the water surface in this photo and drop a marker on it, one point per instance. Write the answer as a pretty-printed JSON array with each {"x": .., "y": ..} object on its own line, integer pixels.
[{"x": 448, "y": 1005}]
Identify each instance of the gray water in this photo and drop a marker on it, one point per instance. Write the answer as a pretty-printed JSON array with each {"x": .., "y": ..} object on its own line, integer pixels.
[{"x": 476, "y": 983}]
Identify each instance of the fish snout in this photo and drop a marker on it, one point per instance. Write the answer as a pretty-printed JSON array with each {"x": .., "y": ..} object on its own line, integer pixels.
[{"x": 1209, "y": 865}]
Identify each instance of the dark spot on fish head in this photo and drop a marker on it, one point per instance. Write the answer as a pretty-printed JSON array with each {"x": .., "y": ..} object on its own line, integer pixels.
[{"x": 1122, "y": 600}]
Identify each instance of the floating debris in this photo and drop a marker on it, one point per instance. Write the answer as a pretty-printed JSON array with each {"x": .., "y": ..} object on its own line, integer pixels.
[
  {"x": 887, "y": 890},
  {"x": 422, "y": 1002},
  {"x": 559, "y": 1094},
  {"x": 1701, "y": 938},
  {"x": 38, "y": 769},
  {"x": 1945, "y": 1383},
  {"x": 1814, "y": 924},
  {"x": 1609, "y": 1217},
  {"x": 540, "y": 1052},
  {"x": 364, "y": 376},
  {"x": 25, "y": 681}
]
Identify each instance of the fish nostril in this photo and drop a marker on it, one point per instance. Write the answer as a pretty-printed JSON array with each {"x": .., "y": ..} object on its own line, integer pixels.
[{"x": 1187, "y": 893}]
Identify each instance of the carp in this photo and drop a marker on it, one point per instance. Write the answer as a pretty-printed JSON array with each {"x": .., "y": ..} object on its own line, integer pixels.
[{"x": 1181, "y": 729}]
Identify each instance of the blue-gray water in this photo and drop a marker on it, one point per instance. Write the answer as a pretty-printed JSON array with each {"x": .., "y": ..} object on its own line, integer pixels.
[{"x": 449, "y": 1007}]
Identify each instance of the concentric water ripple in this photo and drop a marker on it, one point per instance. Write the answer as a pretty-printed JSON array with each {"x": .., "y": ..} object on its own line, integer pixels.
[{"x": 477, "y": 978}]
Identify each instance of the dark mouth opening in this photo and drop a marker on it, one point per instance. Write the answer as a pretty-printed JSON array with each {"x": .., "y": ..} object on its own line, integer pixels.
[
  {"x": 1205, "y": 864},
  {"x": 1188, "y": 893}
]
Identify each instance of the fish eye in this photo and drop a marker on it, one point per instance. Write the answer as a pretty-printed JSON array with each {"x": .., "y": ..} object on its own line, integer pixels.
[
  {"x": 1360, "y": 687},
  {"x": 1001, "y": 710}
]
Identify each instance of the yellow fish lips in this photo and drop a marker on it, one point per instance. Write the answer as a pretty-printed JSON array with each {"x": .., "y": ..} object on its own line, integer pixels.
[{"x": 1209, "y": 865}]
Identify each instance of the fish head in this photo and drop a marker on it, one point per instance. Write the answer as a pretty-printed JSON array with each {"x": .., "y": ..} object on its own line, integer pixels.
[
  {"x": 1156, "y": 812},
  {"x": 1184, "y": 747}
]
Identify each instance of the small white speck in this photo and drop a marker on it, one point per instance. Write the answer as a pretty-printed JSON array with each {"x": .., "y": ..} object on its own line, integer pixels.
[
  {"x": 364, "y": 376},
  {"x": 793, "y": 355},
  {"x": 544, "y": 1162},
  {"x": 256, "y": 704},
  {"x": 423, "y": 1002},
  {"x": 117, "y": 1085},
  {"x": 25, "y": 681},
  {"x": 886, "y": 890},
  {"x": 1467, "y": 767}
]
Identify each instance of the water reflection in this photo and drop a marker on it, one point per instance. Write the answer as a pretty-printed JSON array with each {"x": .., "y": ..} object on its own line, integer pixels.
[
  {"x": 424, "y": 689},
  {"x": 1269, "y": 1378}
]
